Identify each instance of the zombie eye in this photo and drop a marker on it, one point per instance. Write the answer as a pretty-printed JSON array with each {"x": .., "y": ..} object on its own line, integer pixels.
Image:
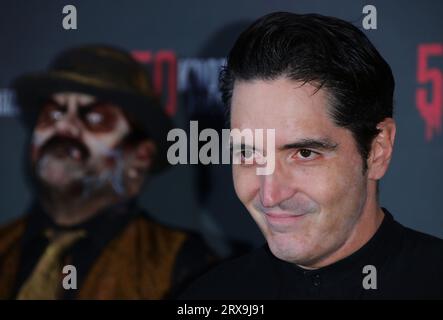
[
  {"x": 55, "y": 115},
  {"x": 94, "y": 118},
  {"x": 50, "y": 113},
  {"x": 100, "y": 117}
]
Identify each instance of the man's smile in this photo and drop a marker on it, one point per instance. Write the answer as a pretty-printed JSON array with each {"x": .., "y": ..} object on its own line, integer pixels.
[{"x": 281, "y": 221}]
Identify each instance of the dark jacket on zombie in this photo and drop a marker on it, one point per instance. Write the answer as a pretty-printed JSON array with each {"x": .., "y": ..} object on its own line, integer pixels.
[{"x": 125, "y": 255}]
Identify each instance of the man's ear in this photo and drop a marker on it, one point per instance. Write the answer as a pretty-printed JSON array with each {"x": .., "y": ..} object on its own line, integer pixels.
[{"x": 381, "y": 149}]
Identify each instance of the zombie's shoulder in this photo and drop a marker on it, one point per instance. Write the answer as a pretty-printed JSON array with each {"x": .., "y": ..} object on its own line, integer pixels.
[{"x": 11, "y": 233}]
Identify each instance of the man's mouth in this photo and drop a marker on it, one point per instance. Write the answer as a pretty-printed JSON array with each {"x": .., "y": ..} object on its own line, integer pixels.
[
  {"x": 281, "y": 219},
  {"x": 65, "y": 148}
]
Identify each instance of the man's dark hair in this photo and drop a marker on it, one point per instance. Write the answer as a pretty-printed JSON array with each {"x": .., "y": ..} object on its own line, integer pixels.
[{"x": 326, "y": 52}]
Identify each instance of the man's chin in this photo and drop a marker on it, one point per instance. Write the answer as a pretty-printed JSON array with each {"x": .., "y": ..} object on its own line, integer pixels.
[{"x": 289, "y": 250}]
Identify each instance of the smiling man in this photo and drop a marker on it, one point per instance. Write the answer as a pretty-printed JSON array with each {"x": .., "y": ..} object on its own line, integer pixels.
[
  {"x": 328, "y": 94},
  {"x": 97, "y": 133}
]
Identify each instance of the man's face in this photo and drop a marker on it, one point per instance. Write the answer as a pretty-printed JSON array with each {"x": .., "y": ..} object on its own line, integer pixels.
[
  {"x": 74, "y": 141},
  {"x": 308, "y": 207}
]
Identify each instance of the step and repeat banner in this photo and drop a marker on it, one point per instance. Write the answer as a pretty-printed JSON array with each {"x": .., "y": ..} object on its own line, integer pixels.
[{"x": 183, "y": 45}]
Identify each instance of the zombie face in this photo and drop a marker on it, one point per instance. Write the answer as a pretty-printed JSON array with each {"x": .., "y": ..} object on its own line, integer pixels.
[{"x": 77, "y": 144}]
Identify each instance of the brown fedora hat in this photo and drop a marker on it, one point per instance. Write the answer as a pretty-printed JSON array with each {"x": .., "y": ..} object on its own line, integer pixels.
[{"x": 107, "y": 73}]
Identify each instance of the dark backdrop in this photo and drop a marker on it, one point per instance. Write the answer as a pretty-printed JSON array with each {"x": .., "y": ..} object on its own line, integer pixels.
[{"x": 188, "y": 40}]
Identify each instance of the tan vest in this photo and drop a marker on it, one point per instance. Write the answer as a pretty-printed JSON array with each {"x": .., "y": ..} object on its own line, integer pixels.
[{"x": 137, "y": 264}]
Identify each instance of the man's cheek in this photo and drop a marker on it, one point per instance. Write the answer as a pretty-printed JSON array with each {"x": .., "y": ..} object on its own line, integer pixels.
[
  {"x": 236, "y": 176},
  {"x": 246, "y": 185},
  {"x": 344, "y": 192},
  {"x": 325, "y": 185}
]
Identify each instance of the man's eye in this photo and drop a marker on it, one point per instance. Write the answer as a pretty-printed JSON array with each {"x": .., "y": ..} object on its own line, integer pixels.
[
  {"x": 94, "y": 118},
  {"x": 244, "y": 156},
  {"x": 251, "y": 157},
  {"x": 306, "y": 154},
  {"x": 247, "y": 154}
]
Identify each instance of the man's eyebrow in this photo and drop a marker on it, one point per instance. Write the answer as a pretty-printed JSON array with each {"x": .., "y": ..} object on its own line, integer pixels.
[{"x": 319, "y": 144}]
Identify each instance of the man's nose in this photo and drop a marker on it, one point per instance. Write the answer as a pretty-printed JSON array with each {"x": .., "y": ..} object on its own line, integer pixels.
[
  {"x": 275, "y": 188},
  {"x": 69, "y": 126}
]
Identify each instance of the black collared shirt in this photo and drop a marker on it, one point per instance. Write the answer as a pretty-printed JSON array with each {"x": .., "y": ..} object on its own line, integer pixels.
[{"x": 408, "y": 265}]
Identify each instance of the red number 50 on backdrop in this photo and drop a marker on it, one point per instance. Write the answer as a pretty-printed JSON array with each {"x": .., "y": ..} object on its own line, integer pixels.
[{"x": 430, "y": 101}]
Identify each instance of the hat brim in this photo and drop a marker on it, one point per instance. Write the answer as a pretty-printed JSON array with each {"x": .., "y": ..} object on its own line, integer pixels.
[{"x": 32, "y": 89}]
